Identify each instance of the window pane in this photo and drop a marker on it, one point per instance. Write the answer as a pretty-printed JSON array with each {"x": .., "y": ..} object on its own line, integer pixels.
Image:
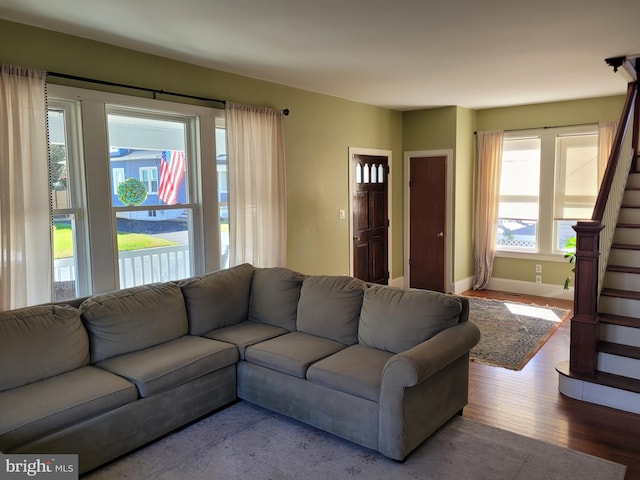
[
  {"x": 145, "y": 144},
  {"x": 519, "y": 194},
  {"x": 58, "y": 162},
  {"x": 64, "y": 258},
  {"x": 564, "y": 232},
  {"x": 223, "y": 194},
  {"x": 576, "y": 185},
  {"x": 63, "y": 286},
  {"x": 154, "y": 244},
  {"x": 155, "y": 248},
  {"x": 516, "y": 234}
]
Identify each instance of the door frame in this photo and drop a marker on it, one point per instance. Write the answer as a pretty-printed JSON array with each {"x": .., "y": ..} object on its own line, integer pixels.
[
  {"x": 382, "y": 153},
  {"x": 448, "y": 244}
]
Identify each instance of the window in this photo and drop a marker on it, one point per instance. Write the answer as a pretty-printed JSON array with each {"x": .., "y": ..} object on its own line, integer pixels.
[
  {"x": 150, "y": 211},
  {"x": 548, "y": 182},
  {"x": 68, "y": 221},
  {"x": 149, "y": 176},
  {"x": 117, "y": 176}
]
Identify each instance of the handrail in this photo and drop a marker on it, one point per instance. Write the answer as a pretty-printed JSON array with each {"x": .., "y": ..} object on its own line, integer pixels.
[{"x": 612, "y": 164}]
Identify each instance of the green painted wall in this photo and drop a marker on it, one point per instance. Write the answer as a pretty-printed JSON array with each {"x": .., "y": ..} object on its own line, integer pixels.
[
  {"x": 318, "y": 132},
  {"x": 464, "y": 200},
  {"x": 573, "y": 112},
  {"x": 452, "y": 128}
]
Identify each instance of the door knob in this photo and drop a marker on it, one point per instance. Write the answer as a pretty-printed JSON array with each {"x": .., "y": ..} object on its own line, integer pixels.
[{"x": 440, "y": 235}]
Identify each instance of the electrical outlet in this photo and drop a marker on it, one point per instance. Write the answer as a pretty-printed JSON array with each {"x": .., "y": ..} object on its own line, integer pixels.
[
  {"x": 538, "y": 278},
  {"x": 538, "y": 268}
]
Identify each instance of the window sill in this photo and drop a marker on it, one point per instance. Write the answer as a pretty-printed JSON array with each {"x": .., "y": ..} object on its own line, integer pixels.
[{"x": 546, "y": 257}]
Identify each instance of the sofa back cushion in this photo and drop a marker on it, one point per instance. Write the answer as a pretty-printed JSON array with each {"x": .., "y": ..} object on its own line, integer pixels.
[
  {"x": 40, "y": 342},
  {"x": 274, "y": 296},
  {"x": 396, "y": 320},
  {"x": 218, "y": 299},
  {"x": 330, "y": 306},
  {"x": 133, "y": 318}
]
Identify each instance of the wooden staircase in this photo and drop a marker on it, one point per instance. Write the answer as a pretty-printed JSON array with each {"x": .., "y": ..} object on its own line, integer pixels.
[
  {"x": 616, "y": 381},
  {"x": 604, "y": 365}
]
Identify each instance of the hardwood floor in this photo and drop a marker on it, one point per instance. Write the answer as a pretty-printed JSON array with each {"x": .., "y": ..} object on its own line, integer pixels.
[{"x": 528, "y": 401}]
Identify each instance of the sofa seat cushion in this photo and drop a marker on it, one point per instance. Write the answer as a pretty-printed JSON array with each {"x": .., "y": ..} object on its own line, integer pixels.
[
  {"x": 292, "y": 353},
  {"x": 245, "y": 334},
  {"x": 170, "y": 364},
  {"x": 396, "y": 320},
  {"x": 356, "y": 370},
  {"x": 49, "y": 405}
]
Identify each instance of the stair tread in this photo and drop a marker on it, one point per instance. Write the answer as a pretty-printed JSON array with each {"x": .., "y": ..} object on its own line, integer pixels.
[
  {"x": 602, "y": 378},
  {"x": 623, "y": 269},
  {"x": 627, "y": 225},
  {"x": 627, "y": 351},
  {"x": 619, "y": 320},
  {"x": 613, "y": 292}
]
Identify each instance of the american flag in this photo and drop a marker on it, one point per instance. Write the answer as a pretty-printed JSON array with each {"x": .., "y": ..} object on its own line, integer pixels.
[{"x": 171, "y": 174}]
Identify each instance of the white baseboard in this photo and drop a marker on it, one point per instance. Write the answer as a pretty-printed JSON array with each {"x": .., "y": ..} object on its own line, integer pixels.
[
  {"x": 463, "y": 285},
  {"x": 506, "y": 285},
  {"x": 530, "y": 288}
]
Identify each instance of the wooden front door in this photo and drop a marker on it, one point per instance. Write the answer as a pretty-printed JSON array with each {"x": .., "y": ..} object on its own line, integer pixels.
[
  {"x": 370, "y": 218},
  {"x": 427, "y": 217}
]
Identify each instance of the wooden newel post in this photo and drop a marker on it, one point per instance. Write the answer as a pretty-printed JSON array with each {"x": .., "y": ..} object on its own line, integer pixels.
[{"x": 584, "y": 324}]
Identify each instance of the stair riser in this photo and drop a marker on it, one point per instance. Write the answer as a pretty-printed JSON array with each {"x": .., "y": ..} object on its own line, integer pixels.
[
  {"x": 627, "y": 236},
  {"x": 620, "y": 334},
  {"x": 634, "y": 180},
  {"x": 622, "y": 281},
  {"x": 625, "y": 258},
  {"x": 619, "y": 306},
  {"x": 629, "y": 215},
  {"x": 624, "y": 366},
  {"x": 631, "y": 197}
]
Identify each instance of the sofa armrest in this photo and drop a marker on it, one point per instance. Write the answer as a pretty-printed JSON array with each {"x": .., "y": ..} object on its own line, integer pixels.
[
  {"x": 424, "y": 387},
  {"x": 413, "y": 366}
]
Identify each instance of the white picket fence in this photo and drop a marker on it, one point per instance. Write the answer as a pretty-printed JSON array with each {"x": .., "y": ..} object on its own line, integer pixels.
[{"x": 139, "y": 267}]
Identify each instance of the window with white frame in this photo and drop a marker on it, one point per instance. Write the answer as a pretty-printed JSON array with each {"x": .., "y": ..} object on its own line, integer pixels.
[
  {"x": 117, "y": 176},
  {"x": 149, "y": 176},
  {"x": 140, "y": 238},
  {"x": 548, "y": 182}
]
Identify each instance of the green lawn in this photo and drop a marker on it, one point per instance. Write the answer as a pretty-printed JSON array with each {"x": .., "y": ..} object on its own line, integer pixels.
[{"x": 63, "y": 243}]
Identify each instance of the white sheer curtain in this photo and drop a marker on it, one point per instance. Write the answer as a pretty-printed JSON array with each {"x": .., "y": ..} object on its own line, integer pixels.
[
  {"x": 257, "y": 186},
  {"x": 487, "y": 200},
  {"x": 606, "y": 136},
  {"x": 25, "y": 226}
]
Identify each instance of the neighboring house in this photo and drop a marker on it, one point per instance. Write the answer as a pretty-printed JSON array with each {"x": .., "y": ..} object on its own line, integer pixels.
[{"x": 145, "y": 165}]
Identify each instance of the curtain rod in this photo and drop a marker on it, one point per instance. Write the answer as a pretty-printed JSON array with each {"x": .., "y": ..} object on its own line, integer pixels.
[
  {"x": 547, "y": 127},
  {"x": 285, "y": 111}
]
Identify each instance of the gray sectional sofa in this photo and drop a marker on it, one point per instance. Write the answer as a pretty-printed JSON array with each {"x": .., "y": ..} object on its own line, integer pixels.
[{"x": 380, "y": 366}]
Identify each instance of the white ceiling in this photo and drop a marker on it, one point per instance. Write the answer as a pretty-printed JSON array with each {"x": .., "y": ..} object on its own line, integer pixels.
[{"x": 400, "y": 54}]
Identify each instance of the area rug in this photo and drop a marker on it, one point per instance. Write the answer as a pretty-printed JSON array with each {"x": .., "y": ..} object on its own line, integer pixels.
[
  {"x": 248, "y": 442},
  {"x": 511, "y": 332}
]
